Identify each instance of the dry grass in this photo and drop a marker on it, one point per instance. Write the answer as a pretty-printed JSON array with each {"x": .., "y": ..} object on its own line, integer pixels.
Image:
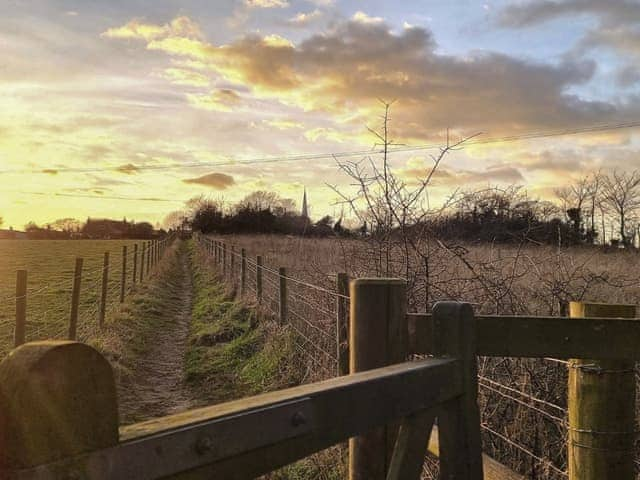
[{"x": 499, "y": 279}]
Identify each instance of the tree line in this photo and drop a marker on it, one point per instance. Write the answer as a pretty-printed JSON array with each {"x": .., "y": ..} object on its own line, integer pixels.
[
  {"x": 600, "y": 208},
  {"x": 71, "y": 228}
]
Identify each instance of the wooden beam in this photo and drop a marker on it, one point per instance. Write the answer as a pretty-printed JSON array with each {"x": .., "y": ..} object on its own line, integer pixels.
[
  {"x": 493, "y": 470},
  {"x": 408, "y": 454},
  {"x": 199, "y": 445},
  {"x": 539, "y": 337}
]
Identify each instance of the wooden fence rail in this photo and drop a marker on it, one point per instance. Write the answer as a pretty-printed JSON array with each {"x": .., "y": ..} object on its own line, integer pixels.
[{"x": 236, "y": 440}]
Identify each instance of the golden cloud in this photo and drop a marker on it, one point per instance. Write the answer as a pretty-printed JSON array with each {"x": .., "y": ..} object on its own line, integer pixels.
[
  {"x": 178, "y": 27},
  {"x": 221, "y": 100},
  {"x": 128, "y": 169},
  {"x": 218, "y": 181},
  {"x": 181, "y": 76},
  {"x": 346, "y": 70}
]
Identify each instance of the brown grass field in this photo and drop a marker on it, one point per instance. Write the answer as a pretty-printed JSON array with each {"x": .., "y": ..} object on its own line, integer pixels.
[{"x": 530, "y": 412}]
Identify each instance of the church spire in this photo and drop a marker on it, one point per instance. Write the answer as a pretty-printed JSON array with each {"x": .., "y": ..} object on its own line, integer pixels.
[{"x": 305, "y": 207}]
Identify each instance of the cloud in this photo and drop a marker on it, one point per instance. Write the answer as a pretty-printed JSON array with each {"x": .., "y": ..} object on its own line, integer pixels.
[
  {"x": 345, "y": 70},
  {"x": 218, "y": 181},
  {"x": 50, "y": 171},
  {"x": 284, "y": 124},
  {"x": 303, "y": 19},
  {"x": 617, "y": 26},
  {"x": 221, "y": 100},
  {"x": 128, "y": 169},
  {"x": 135, "y": 29},
  {"x": 449, "y": 177},
  {"x": 182, "y": 76},
  {"x": 628, "y": 76},
  {"x": 266, "y": 3},
  {"x": 362, "y": 17},
  {"x": 539, "y": 11}
]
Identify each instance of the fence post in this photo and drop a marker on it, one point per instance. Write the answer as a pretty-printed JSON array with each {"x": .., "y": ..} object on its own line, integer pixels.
[
  {"x": 342, "y": 324},
  {"x": 243, "y": 271},
  {"x": 378, "y": 337},
  {"x": 123, "y": 279},
  {"x": 259, "y": 279},
  {"x": 75, "y": 299},
  {"x": 57, "y": 400},
  {"x": 20, "y": 332},
  {"x": 601, "y": 405},
  {"x": 232, "y": 264},
  {"x": 224, "y": 260},
  {"x": 148, "y": 257},
  {"x": 105, "y": 283},
  {"x": 142, "y": 251},
  {"x": 459, "y": 419},
  {"x": 135, "y": 262},
  {"x": 282, "y": 303}
]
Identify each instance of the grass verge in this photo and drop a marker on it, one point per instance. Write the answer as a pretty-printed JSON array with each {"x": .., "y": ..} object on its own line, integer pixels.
[{"x": 233, "y": 354}]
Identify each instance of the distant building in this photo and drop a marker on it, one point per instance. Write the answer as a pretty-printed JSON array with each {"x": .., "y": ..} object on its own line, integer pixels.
[{"x": 12, "y": 234}]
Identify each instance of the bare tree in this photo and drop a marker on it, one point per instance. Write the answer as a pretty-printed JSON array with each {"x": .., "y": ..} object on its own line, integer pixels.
[
  {"x": 621, "y": 193},
  {"x": 395, "y": 209}
]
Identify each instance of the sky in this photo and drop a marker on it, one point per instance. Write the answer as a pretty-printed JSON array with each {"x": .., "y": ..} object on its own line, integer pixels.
[{"x": 128, "y": 108}]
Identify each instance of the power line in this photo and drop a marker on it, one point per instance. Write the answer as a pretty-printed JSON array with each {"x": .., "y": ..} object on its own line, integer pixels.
[
  {"x": 319, "y": 156},
  {"x": 105, "y": 197}
]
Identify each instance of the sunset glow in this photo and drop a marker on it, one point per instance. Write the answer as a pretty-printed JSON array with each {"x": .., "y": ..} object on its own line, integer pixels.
[{"x": 109, "y": 105}]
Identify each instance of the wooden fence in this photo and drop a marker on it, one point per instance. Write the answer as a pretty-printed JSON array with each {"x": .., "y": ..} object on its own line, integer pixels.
[
  {"x": 58, "y": 411},
  {"x": 600, "y": 341}
]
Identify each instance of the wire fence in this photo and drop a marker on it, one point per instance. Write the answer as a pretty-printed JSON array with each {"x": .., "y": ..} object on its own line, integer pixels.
[
  {"x": 48, "y": 312},
  {"x": 508, "y": 400},
  {"x": 307, "y": 310}
]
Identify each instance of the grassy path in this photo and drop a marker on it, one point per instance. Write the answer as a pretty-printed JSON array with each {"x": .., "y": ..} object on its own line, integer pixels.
[
  {"x": 182, "y": 342},
  {"x": 151, "y": 379}
]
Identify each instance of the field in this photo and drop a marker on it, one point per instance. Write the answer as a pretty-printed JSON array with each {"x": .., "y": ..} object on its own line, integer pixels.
[
  {"x": 50, "y": 266},
  {"x": 522, "y": 401},
  {"x": 500, "y": 279}
]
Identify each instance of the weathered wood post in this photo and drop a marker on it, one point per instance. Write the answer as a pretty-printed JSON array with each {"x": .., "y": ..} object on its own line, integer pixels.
[
  {"x": 216, "y": 251},
  {"x": 342, "y": 323},
  {"x": 459, "y": 419},
  {"x": 378, "y": 337},
  {"x": 20, "y": 332},
  {"x": 601, "y": 432},
  {"x": 75, "y": 299},
  {"x": 243, "y": 271},
  {"x": 232, "y": 264},
  {"x": 148, "y": 257},
  {"x": 123, "y": 277},
  {"x": 224, "y": 259},
  {"x": 282, "y": 297},
  {"x": 135, "y": 262},
  {"x": 103, "y": 294},
  {"x": 142, "y": 252},
  {"x": 57, "y": 400},
  {"x": 259, "y": 279}
]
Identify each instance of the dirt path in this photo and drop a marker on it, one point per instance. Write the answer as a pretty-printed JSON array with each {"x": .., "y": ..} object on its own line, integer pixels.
[{"x": 156, "y": 385}]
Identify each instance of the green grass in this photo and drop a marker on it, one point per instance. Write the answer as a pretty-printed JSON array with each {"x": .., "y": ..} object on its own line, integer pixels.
[
  {"x": 232, "y": 354},
  {"x": 50, "y": 267}
]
